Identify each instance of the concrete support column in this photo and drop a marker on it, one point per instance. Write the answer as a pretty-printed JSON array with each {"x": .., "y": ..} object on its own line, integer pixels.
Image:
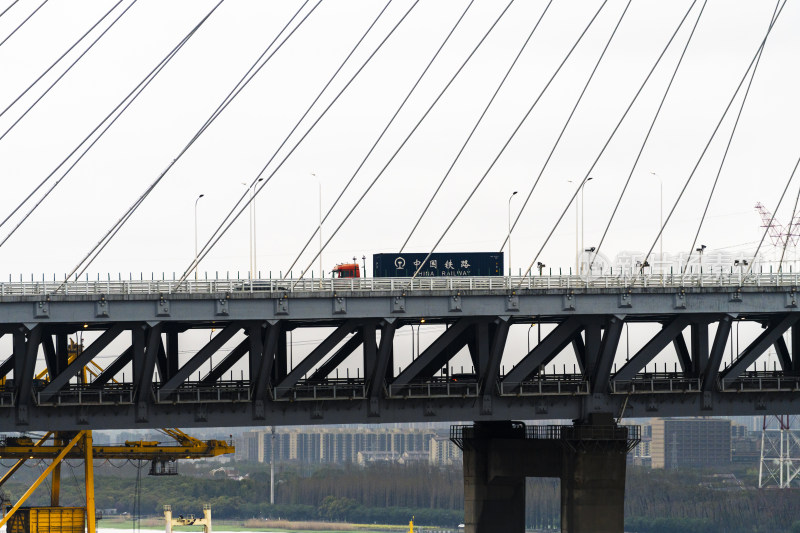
[
  {"x": 491, "y": 502},
  {"x": 593, "y": 490},
  {"x": 589, "y": 458}
]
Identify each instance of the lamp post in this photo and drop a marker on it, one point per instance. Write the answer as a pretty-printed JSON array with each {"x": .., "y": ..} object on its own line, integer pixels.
[
  {"x": 509, "y": 231},
  {"x": 254, "y": 212},
  {"x": 579, "y": 220},
  {"x": 250, "y": 229},
  {"x": 583, "y": 204},
  {"x": 319, "y": 229},
  {"x": 661, "y": 211},
  {"x": 700, "y": 251},
  {"x": 195, "y": 235}
]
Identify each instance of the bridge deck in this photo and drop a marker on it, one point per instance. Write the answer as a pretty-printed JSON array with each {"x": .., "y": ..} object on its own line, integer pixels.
[{"x": 139, "y": 326}]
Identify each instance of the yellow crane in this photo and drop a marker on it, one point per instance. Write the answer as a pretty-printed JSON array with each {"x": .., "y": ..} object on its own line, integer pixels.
[{"x": 57, "y": 446}]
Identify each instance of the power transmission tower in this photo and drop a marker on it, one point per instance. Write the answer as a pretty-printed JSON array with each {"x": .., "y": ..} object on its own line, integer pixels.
[{"x": 780, "y": 454}]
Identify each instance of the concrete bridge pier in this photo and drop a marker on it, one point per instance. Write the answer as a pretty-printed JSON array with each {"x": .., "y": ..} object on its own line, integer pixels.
[{"x": 589, "y": 457}]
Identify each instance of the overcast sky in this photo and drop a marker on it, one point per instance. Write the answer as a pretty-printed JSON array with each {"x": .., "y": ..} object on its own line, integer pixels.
[{"x": 160, "y": 235}]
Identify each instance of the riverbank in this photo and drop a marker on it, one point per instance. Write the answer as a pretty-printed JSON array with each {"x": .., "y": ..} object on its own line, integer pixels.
[{"x": 271, "y": 526}]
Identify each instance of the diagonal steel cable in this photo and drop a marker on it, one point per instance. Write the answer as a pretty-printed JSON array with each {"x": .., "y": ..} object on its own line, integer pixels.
[
  {"x": 510, "y": 138},
  {"x": 221, "y": 226},
  {"x": 565, "y": 126},
  {"x": 21, "y": 24},
  {"x": 476, "y": 126},
  {"x": 768, "y": 226},
  {"x": 383, "y": 132},
  {"x": 397, "y": 151},
  {"x": 123, "y": 104},
  {"x": 647, "y": 135},
  {"x": 209, "y": 245},
  {"x": 12, "y": 4},
  {"x": 730, "y": 141},
  {"x": 713, "y": 135},
  {"x": 69, "y": 68},
  {"x": 54, "y": 63},
  {"x": 610, "y": 137},
  {"x": 789, "y": 231},
  {"x": 112, "y": 232}
]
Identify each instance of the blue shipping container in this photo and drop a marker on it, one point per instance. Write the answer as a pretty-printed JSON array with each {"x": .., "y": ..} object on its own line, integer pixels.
[{"x": 438, "y": 264}]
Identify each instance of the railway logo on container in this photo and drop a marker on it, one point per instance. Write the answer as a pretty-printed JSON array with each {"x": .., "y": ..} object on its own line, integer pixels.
[{"x": 400, "y": 263}]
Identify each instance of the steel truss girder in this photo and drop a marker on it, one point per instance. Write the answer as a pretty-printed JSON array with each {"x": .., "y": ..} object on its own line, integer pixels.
[
  {"x": 484, "y": 335},
  {"x": 59, "y": 380},
  {"x": 113, "y": 369},
  {"x": 652, "y": 348},
  {"x": 717, "y": 351},
  {"x": 341, "y": 354},
  {"x": 229, "y": 360},
  {"x": 201, "y": 357},
  {"x": 767, "y": 338},
  {"x": 544, "y": 352},
  {"x": 316, "y": 355},
  {"x": 403, "y": 410},
  {"x": 439, "y": 352}
]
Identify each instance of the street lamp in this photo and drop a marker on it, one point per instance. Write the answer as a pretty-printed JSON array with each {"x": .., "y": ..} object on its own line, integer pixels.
[
  {"x": 195, "y": 235},
  {"x": 579, "y": 220},
  {"x": 661, "y": 211},
  {"x": 583, "y": 204},
  {"x": 540, "y": 266},
  {"x": 700, "y": 251},
  {"x": 250, "y": 228},
  {"x": 509, "y": 231},
  {"x": 254, "y": 211},
  {"x": 319, "y": 182},
  {"x": 589, "y": 251}
]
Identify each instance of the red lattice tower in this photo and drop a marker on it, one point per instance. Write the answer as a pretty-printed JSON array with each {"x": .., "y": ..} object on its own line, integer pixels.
[{"x": 777, "y": 233}]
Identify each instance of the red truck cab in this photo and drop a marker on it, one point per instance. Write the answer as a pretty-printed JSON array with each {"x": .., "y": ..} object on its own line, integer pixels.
[{"x": 347, "y": 270}]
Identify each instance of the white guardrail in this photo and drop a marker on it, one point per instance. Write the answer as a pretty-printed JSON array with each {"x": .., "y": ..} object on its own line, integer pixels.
[{"x": 224, "y": 285}]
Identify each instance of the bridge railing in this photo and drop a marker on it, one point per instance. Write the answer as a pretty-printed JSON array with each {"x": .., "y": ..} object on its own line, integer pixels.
[
  {"x": 484, "y": 283},
  {"x": 442, "y": 388},
  {"x": 555, "y": 384},
  {"x": 356, "y": 389},
  {"x": 761, "y": 381},
  {"x": 342, "y": 389},
  {"x": 74, "y": 395},
  {"x": 199, "y": 392},
  {"x": 657, "y": 383}
]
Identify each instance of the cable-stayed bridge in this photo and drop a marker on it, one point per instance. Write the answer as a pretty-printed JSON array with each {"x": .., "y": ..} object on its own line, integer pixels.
[
  {"x": 150, "y": 379},
  {"x": 398, "y": 107}
]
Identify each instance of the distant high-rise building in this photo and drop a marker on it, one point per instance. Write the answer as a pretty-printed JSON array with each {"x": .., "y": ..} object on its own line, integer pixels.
[
  {"x": 443, "y": 452},
  {"x": 333, "y": 445},
  {"x": 684, "y": 442},
  {"x": 250, "y": 447}
]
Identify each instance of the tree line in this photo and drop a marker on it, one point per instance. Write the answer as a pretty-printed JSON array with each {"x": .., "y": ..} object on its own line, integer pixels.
[{"x": 656, "y": 500}]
